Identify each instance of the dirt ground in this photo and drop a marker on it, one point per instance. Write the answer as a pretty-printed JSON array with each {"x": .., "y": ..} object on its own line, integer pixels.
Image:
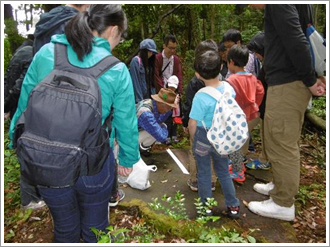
[{"x": 309, "y": 225}]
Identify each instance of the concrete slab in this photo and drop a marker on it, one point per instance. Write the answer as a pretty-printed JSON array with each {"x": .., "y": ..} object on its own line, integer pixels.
[{"x": 169, "y": 179}]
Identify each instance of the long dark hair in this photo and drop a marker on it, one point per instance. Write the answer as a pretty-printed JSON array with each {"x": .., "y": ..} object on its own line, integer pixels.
[
  {"x": 98, "y": 18},
  {"x": 149, "y": 67}
]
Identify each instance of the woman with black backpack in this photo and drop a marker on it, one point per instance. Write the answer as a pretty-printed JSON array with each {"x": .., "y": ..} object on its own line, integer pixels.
[{"x": 80, "y": 202}]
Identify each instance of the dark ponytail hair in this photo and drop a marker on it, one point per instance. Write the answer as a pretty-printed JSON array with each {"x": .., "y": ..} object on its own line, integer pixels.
[
  {"x": 98, "y": 17},
  {"x": 149, "y": 67}
]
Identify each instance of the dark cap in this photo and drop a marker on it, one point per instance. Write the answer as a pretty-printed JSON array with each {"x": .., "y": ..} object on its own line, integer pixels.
[
  {"x": 257, "y": 43},
  {"x": 148, "y": 44}
]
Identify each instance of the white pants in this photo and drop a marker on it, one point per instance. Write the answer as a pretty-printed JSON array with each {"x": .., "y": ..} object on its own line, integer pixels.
[{"x": 146, "y": 139}]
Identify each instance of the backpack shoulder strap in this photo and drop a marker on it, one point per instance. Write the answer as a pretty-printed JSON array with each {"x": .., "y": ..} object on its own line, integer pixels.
[
  {"x": 62, "y": 63},
  {"x": 139, "y": 60},
  {"x": 211, "y": 91},
  {"x": 227, "y": 88},
  {"x": 165, "y": 68},
  {"x": 102, "y": 66}
]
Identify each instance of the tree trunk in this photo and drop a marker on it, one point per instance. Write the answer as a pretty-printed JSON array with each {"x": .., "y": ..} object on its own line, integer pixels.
[
  {"x": 142, "y": 29},
  {"x": 11, "y": 28},
  {"x": 316, "y": 6},
  {"x": 190, "y": 29},
  {"x": 16, "y": 14},
  {"x": 31, "y": 16},
  {"x": 8, "y": 11},
  {"x": 204, "y": 35},
  {"x": 212, "y": 20},
  {"x": 318, "y": 122},
  {"x": 26, "y": 18}
]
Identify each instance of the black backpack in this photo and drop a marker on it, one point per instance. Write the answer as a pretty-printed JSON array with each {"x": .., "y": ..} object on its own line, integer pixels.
[
  {"x": 14, "y": 76},
  {"x": 60, "y": 135}
]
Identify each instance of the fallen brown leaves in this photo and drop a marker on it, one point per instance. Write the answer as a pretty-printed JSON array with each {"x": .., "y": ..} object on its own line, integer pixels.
[{"x": 310, "y": 222}]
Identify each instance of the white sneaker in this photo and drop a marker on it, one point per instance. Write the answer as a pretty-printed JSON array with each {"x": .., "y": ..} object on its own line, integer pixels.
[
  {"x": 34, "y": 205},
  {"x": 270, "y": 209},
  {"x": 264, "y": 188}
]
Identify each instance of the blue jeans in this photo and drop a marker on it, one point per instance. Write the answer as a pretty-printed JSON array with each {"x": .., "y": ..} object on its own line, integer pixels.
[
  {"x": 204, "y": 151},
  {"x": 77, "y": 208}
]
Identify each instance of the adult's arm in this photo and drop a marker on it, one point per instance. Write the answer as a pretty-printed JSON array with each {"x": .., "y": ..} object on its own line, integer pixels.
[
  {"x": 260, "y": 92},
  {"x": 148, "y": 122},
  {"x": 178, "y": 72},
  {"x": 139, "y": 84},
  {"x": 124, "y": 118},
  {"x": 249, "y": 67},
  {"x": 158, "y": 69},
  {"x": 163, "y": 117}
]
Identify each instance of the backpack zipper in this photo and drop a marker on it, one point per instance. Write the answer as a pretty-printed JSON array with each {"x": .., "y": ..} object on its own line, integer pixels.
[{"x": 53, "y": 144}]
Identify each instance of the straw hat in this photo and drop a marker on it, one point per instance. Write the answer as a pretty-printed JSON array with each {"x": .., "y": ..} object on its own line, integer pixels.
[{"x": 165, "y": 96}]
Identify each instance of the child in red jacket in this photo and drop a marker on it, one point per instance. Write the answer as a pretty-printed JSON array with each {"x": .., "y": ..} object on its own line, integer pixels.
[{"x": 249, "y": 90}]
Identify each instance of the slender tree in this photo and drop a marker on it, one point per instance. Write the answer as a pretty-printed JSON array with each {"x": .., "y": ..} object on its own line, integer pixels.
[
  {"x": 8, "y": 11},
  {"x": 14, "y": 38}
]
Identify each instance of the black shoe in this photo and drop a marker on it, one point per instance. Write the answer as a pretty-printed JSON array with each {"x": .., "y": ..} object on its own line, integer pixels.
[
  {"x": 233, "y": 212},
  {"x": 145, "y": 151}
]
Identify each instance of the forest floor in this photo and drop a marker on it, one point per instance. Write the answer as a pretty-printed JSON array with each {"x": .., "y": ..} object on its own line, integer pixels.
[{"x": 309, "y": 226}]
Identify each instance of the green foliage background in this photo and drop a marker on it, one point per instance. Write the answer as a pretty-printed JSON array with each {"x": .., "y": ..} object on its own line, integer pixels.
[{"x": 7, "y": 53}]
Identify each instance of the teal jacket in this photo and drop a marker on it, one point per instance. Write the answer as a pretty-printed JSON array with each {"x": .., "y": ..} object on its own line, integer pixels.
[{"x": 115, "y": 86}]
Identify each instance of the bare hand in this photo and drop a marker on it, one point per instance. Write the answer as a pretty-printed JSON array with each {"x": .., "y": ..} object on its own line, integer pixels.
[
  {"x": 319, "y": 88},
  {"x": 124, "y": 171}
]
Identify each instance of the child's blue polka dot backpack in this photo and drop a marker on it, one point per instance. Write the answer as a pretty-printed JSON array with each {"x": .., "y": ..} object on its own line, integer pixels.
[{"x": 229, "y": 130}]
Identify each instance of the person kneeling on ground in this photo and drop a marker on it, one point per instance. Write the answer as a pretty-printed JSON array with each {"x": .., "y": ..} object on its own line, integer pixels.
[{"x": 151, "y": 115}]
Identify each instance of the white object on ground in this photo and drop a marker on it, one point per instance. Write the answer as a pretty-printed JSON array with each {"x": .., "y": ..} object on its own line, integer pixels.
[{"x": 177, "y": 161}]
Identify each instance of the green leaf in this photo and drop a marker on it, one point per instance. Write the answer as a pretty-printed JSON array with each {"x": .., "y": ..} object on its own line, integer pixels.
[
  {"x": 251, "y": 239},
  {"x": 94, "y": 230},
  {"x": 104, "y": 239}
]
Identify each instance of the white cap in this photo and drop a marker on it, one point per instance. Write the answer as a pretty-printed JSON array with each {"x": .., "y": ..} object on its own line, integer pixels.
[{"x": 173, "y": 81}]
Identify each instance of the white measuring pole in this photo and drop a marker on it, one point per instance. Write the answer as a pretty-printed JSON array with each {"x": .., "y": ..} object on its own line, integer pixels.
[{"x": 177, "y": 161}]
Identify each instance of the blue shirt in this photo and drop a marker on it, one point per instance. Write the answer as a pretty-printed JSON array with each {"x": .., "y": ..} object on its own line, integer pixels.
[
  {"x": 138, "y": 75},
  {"x": 152, "y": 123},
  {"x": 203, "y": 107}
]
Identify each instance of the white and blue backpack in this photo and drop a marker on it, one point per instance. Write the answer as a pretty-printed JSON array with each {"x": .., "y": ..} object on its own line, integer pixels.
[{"x": 229, "y": 130}]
